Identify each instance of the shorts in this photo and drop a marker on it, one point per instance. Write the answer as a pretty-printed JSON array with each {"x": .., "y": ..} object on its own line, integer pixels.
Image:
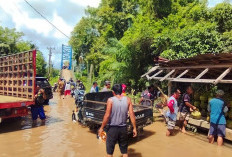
[
  {"x": 67, "y": 92},
  {"x": 217, "y": 130},
  {"x": 184, "y": 116},
  {"x": 170, "y": 123},
  {"x": 117, "y": 134},
  {"x": 38, "y": 111}
]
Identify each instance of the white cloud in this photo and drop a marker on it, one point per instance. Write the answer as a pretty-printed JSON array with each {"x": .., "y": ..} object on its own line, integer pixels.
[
  {"x": 85, "y": 3},
  {"x": 66, "y": 29},
  {"x": 63, "y": 14},
  {"x": 22, "y": 19}
]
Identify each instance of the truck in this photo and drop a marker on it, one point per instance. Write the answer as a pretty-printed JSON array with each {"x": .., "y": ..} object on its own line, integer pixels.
[
  {"x": 17, "y": 84},
  {"x": 93, "y": 111}
]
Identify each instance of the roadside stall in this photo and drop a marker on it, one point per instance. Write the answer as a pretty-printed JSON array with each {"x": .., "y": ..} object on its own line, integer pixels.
[{"x": 205, "y": 73}]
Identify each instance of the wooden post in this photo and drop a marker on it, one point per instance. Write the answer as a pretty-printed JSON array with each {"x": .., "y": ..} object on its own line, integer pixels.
[{"x": 169, "y": 88}]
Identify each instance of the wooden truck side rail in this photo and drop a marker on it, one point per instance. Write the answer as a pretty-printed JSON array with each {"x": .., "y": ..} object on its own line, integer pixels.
[
  {"x": 11, "y": 102},
  {"x": 17, "y": 75},
  {"x": 17, "y": 83}
]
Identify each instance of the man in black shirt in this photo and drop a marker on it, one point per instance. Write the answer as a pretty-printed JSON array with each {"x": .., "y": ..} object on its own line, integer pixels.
[
  {"x": 37, "y": 108},
  {"x": 185, "y": 108}
]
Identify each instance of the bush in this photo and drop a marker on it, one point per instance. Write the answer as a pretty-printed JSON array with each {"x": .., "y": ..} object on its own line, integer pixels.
[{"x": 53, "y": 80}]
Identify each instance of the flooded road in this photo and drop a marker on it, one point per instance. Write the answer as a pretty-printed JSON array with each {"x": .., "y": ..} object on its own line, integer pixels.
[{"x": 60, "y": 137}]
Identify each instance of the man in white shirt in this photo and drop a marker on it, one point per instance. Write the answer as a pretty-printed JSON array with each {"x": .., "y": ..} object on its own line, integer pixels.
[
  {"x": 93, "y": 89},
  {"x": 67, "y": 90},
  {"x": 106, "y": 87}
]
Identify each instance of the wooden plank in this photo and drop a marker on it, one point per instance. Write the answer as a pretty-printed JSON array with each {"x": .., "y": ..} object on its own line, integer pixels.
[
  {"x": 193, "y": 80},
  {"x": 183, "y": 73},
  {"x": 151, "y": 70},
  {"x": 202, "y": 73},
  {"x": 156, "y": 74},
  {"x": 166, "y": 76},
  {"x": 222, "y": 76},
  {"x": 8, "y": 99},
  {"x": 206, "y": 125},
  {"x": 157, "y": 78},
  {"x": 198, "y": 66},
  {"x": 225, "y": 81}
]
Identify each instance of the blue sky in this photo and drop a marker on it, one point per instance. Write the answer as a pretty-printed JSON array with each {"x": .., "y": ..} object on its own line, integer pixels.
[
  {"x": 63, "y": 14},
  {"x": 212, "y": 3}
]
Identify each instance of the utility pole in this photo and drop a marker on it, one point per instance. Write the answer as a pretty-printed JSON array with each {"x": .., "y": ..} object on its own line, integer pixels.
[{"x": 49, "y": 61}]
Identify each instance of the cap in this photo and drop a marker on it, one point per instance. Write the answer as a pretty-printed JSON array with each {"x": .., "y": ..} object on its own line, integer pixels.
[
  {"x": 107, "y": 82},
  {"x": 220, "y": 92}
]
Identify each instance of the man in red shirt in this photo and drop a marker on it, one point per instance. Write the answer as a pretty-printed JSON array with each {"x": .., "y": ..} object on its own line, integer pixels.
[{"x": 172, "y": 112}]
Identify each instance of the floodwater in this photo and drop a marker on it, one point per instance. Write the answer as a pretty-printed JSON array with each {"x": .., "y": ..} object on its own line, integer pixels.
[{"x": 60, "y": 137}]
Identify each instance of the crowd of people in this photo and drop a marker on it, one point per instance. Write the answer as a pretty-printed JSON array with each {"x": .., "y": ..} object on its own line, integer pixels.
[
  {"x": 178, "y": 107},
  {"x": 217, "y": 108},
  {"x": 67, "y": 88},
  {"x": 95, "y": 88}
]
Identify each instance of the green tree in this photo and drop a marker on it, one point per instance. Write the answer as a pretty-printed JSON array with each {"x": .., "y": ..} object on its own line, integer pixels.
[
  {"x": 222, "y": 14},
  {"x": 120, "y": 39},
  {"x": 157, "y": 8},
  {"x": 40, "y": 64},
  {"x": 9, "y": 38}
]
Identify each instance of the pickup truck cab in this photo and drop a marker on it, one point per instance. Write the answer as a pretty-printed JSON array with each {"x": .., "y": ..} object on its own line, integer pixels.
[{"x": 94, "y": 107}]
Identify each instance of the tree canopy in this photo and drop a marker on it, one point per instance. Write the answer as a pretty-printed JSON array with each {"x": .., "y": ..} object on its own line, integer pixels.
[{"x": 122, "y": 38}]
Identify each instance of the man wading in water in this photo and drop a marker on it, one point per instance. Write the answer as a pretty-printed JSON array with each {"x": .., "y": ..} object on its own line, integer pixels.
[{"x": 116, "y": 113}]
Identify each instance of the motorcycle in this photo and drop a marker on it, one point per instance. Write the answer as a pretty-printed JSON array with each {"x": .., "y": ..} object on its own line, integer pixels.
[{"x": 79, "y": 101}]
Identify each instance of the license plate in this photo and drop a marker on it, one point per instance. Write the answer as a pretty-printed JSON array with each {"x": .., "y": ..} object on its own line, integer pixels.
[{"x": 23, "y": 104}]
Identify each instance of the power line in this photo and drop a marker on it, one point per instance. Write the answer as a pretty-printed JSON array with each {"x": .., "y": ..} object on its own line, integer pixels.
[{"x": 46, "y": 19}]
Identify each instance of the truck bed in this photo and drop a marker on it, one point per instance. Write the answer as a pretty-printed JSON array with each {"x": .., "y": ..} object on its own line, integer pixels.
[
  {"x": 8, "y": 99},
  {"x": 95, "y": 105},
  {"x": 10, "y": 102}
]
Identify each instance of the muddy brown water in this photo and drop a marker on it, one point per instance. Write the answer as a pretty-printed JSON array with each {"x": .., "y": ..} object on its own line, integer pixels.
[{"x": 60, "y": 137}]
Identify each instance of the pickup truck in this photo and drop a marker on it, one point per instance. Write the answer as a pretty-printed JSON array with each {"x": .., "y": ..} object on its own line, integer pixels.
[
  {"x": 94, "y": 107},
  {"x": 17, "y": 84}
]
